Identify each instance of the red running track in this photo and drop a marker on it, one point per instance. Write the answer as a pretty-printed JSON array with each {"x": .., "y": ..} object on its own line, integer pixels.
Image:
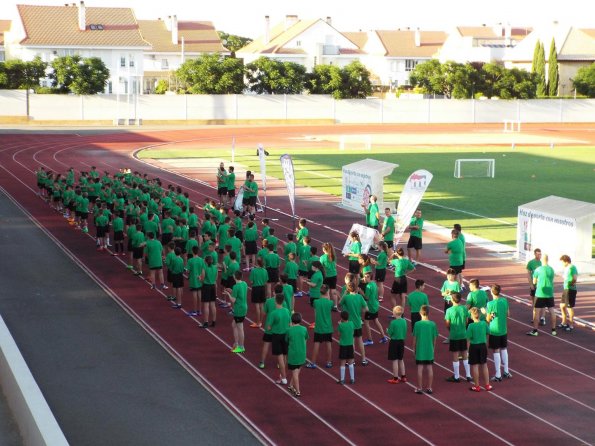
[{"x": 550, "y": 400}]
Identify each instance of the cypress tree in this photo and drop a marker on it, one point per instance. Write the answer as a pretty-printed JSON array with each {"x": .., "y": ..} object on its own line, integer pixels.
[
  {"x": 553, "y": 75},
  {"x": 540, "y": 71},
  {"x": 535, "y": 57}
]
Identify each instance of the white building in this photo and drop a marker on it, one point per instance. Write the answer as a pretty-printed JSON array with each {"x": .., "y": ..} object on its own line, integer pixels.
[
  {"x": 111, "y": 34},
  {"x": 4, "y": 26}
]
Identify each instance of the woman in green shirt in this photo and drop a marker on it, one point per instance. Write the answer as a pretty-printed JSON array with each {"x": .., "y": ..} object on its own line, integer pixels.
[
  {"x": 208, "y": 292},
  {"x": 328, "y": 261},
  {"x": 402, "y": 266},
  {"x": 355, "y": 249},
  {"x": 380, "y": 270}
]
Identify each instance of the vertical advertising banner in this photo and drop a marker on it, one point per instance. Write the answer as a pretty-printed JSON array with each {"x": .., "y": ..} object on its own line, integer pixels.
[
  {"x": 288, "y": 173},
  {"x": 414, "y": 190},
  {"x": 263, "y": 171},
  {"x": 367, "y": 236}
]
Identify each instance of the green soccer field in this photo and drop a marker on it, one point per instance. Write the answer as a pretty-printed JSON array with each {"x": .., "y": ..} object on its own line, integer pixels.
[{"x": 486, "y": 207}]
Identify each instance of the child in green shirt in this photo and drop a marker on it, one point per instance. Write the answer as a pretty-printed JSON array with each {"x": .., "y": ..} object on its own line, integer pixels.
[
  {"x": 346, "y": 353},
  {"x": 296, "y": 337},
  {"x": 424, "y": 343}
]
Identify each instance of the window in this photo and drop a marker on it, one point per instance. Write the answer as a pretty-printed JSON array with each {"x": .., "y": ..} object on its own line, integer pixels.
[
  {"x": 164, "y": 64},
  {"x": 298, "y": 43},
  {"x": 131, "y": 61},
  {"x": 123, "y": 61},
  {"x": 2, "y": 56},
  {"x": 410, "y": 64}
]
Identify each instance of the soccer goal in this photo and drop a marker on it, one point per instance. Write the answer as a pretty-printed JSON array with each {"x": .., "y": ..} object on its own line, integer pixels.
[
  {"x": 512, "y": 125},
  {"x": 355, "y": 142},
  {"x": 475, "y": 168}
]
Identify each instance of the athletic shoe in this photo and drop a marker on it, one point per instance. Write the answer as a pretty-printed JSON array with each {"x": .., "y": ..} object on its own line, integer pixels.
[
  {"x": 170, "y": 298},
  {"x": 246, "y": 270},
  {"x": 261, "y": 365},
  {"x": 164, "y": 286},
  {"x": 311, "y": 326},
  {"x": 393, "y": 381},
  {"x": 352, "y": 381},
  {"x": 123, "y": 254},
  {"x": 368, "y": 342},
  {"x": 561, "y": 326},
  {"x": 554, "y": 332},
  {"x": 138, "y": 273},
  {"x": 489, "y": 388},
  {"x": 205, "y": 325},
  {"x": 329, "y": 365},
  {"x": 282, "y": 381},
  {"x": 381, "y": 299},
  {"x": 542, "y": 321},
  {"x": 533, "y": 333},
  {"x": 569, "y": 328},
  {"x": 429, "y": 391},
  {"x": 152, "y": 286},
  {"x": 365, "y": 362},
  {"x": 255, "y": 325},
  {"x": 311, "y": 365},
  {"x": 496, "y": 379},
  {"x": 335, "y": 309},
  {"x": 109, "y": 246},
  {"x": 403, "y": 379},
  {"x": 298, "y": 294},
  {"x": 341, "y": 381},
  {"x": 291, "y": 390},
  {"x": 238, "y": 350},
  {"x": 114, "y": 253},
  {"x": 212, "y": 324},
  {"x": 192, "y": 313},
  {"x": 176, "y": 306},
  {"x": 452, "y": 379},
  {"x": 470, "y": 380},
  {"x": 384, "y": 340},
  {"x": 475, "y": 388},
  {"x": 85, "y": 230},
  {"x": 507, "y": 375},
  {"x": 446, "y": 341},
  {"x": 419, "y": 391}
]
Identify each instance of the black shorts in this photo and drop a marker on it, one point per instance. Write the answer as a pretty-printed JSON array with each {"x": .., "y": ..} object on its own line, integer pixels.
[
  {"x": 279, "y": 344},
  {"x": 239, "y": 319},
  {"x": 568, "y": 298},
  {"x": 330, "y": 282},
  {"x": 463, "y": 266},
  {"x": 370, "y": 316},
  {"x": 240, "y": 236},
  {"x": 245, "y": 200},
  {"x": 92, "y": 198},
  {"x": 354, "y": 266},
  {"x": 346, "y": 352},
  {"x": 457, "y": 345},
  {"x": 84, "y": 215},
  {"x": 294, "y": 366},
  {"x": 357, "y": 333},
  {"x": 293, "y": 283},
  {"x": 424, "y": 361},
  {"x": 129, "y": 246},
  {"x": 231, "y": 192},
  {"x": 177, "y": 280},
  {"x": 71, "y": 207},
  {"x": 447, "y": 305},
  {"x": 155, "y": 268},
  {"x": 414, "y": 242},
  {"x": 415, "y": 317},
  {"x": 166, "y": 238},
  {"x": 207, "y": 293},
  {"x": 137, "y": 253},
  {"x": 532, "y": 292},
  {"x": 457, "y": 268},
  {"x": 252, "y": 201},
  {"x": 323, "y": 337},
  {"x": 544, "y": 302},
  {"x": 389, "y": 243},
  {"x": 222, "y": 191},
  {"x": 251, "y": 247},
  {"x": 396, "y": 349},
  {"x": 478, "y": 354},
  {"x": 302, "y": 273},
  {"x": 399, "y": 285},
  {"x": 55, "y": 199},
  {"x": 101, "y": 231},
  {"x": 267, "y": 337},
  {"x": 496, "y": 342},
  {"x": 229, "y": 282},
  {"x": 380, "y": 275},
  {"x": 118, "y": 236},
  {"x": 258, "y": 294},
  {"x": 181, "y": 244},
  {"x": 77, "y": 213},
  {"x": 273, "y": 275}
]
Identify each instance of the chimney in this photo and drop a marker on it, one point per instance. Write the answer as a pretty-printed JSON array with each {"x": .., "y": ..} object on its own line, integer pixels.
[
  {"x": 168, "y": 23},
  {"x": 82, "y": 16},
  {"x": 508, "y": 35},
  {"x": 329, "y": 21},
  {"x": 417, "y": 37},
  {"x": 174, "y": 29},
  {"x": 498, "y": 29},
  {"x": 290, "y": 20},
  {"x": 267, "y": 29}
]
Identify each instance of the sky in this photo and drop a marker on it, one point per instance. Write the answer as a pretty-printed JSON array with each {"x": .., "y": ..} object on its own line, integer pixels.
[{"x": 246, "y": 18}]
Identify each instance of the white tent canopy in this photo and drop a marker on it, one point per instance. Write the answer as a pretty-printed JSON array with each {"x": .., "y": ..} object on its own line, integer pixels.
[
  {"x": 557, "y": 226},
  {"x": 362, "y": 179}
]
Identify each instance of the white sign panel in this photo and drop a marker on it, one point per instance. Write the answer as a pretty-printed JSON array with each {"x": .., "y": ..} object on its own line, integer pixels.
[{"x": 366, "y": 237}]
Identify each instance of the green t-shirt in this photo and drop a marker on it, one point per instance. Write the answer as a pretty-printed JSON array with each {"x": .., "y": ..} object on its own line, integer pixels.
[
  {"x": 402, "y": 266},
  {"x": 154, "y": 251},
  {"x": 449, "y": 287},
  {"x": 268, "y": 308},
  {"x": 280, "y": 319},
  {"x": 296, "y": 344},
  {"x": 118, "y": 224},
  {"x": 223, "y": 233},
  {"x": 419, "y": 222},
  {"x": 291, "y": 269},
  {"x": 250, "y": 234},
  {"x": 304, "y": 255},
  {"x": 323, "y": 322},
  {"x": 354, "y": 304},
  {"x": 236, "y": 245},
  {"x": 240, "y": 293},
  {"x": 532, "y": 265},
  {"x": 195, "y": 267},
  {"x": 259, "y": 276},
  {"x": 230, "y": 270},
  {"x": 425, "y": 333},
  {"x": 345, "y": 329},
  {"x": 477, "y": 332},
  {"x": 457, "y": 315},
  {"x": 330, "y": 266},
  {"x": 381, "y": 260},
  {"x": 231, "y": 181},
  {"x": 397, "y": 329},
  {"x": 138, "y": 239},
  {"x": 263, "y": 252},
  {"x": 177, "y": 265},
  {"x": 389, "y": 224},
  {"x": 461, "y": 237},
  {"x": 372, "y": 215},
  {"x": 372, "y": 296},
  {"x": 500, "y": 309},
  {"x": 289, "y": 247},
  {"x": 317, "y": 279},
  {"x": 355, "y": 249},
  {"x": 266, "y": 230},
  {"x": 570, "y": 271},
  {"x": 190, "y": 243},
  {"x": 102, "y": 220},
  {"x": 272, "y": 241},
  {"x": 478, "y": 299},
  {"x": 272, "y": 260},
  {"x": 288, "y": 293},
  {"x": 545, "y": 281},
  {"x": 416, "y": 299},
  {"x": 302, "y": 232},
  {"x": 210, "y": 274},
  {"x": 455, "y": 254}
]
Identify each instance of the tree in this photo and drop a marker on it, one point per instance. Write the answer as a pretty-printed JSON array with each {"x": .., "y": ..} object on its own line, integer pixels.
[
  {"x": 540, "y": 72},
  {"x": 458, "y": 78},
  {"x": 324, "y": 79},
  {"x": 535, "y": 57},
  {"x": 269, "y": 76},
  {"x": 232, "y": 42},
  {"x": 553, "y": 74},
  {"x": 355, "y": 82},
  {"x": 78, "y": 75},
  {"x": 212, "y": 74},
  {"x": 584, "y": 81},
  {"x": 428, "y": 76},
  {"x": 162, "y": 86},
  {"x": 17, "y": 74}
]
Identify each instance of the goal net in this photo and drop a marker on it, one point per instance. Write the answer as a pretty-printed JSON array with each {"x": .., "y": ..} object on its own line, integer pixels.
[
  {"x": 355, "y": 142},
  {"x": 475, "y": 168},
  {"x": 511, "y": 125}
]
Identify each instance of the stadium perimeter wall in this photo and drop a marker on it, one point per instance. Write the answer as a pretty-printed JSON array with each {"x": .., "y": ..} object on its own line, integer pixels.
[{"x": 282, "y": 109}]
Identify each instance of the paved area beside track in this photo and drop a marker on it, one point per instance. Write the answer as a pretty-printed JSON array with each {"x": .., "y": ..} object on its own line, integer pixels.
[{"x": 106, "y": 380}]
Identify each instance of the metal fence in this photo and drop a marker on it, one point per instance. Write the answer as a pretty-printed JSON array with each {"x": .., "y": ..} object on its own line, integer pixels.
[{"x": 226, "y": 108}]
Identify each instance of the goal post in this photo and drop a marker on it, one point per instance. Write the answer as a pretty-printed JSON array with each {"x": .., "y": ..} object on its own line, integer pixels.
[
  {"x": 511, "y": 125},
  {"x": 355, "y": 142},
  {"x": 475, "y": 168}
]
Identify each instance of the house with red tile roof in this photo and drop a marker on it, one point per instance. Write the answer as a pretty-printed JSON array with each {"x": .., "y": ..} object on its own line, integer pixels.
[{"x": 4, "y": 26}]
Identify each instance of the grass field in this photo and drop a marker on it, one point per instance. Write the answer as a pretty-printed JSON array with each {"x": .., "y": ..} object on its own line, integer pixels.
[{"x": 483, "y": 206}]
